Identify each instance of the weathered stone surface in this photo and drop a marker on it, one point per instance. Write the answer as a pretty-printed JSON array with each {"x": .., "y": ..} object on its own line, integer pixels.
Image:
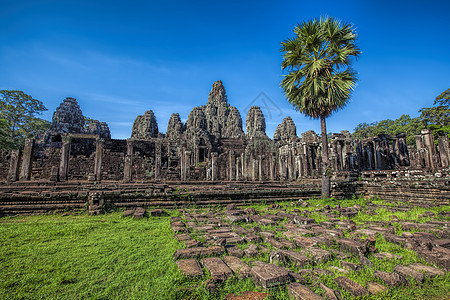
[
  {"x": 251, "y": 251},
  {"x": 318, "y": 255},
  {"x": 235, "y": 251},
  {"x": 198, "y": 252},
  {"x": 68, "y": 117},
  {"x": 286, "y": 132},
  {"x": 145, "y": 126},
  {"x": 409, "y": 273},
  {"x": 128, "y": 212},
  {"x": 305, "y": 242},
  {"x": 248, "y": 295},
  {"x": 330, "y": 294},
  {"x": 350, "y": 286},
  {"x": 375, "y": 288},
  {"x": 296, "y": 258},
  {"x": 269, "y": 275},
  {"x": 175, "y": 128},
  {"x": 237, "y": 266},
  {"x": 218, "y": 269},
  {"x": 157, "y": 212},
  {"x": 300, "y": 292},
  {"x": 350, "y": 266},
  {"x": 99, "y": 128},
  {"x": 351, "y": 246},
  {"x": 391, "y": 279},
  {"x": 139, "y": 213},
  {"x": 255, "y": 123},
  {"x": 428, "y": 271},
  {"x": 190, "y": 267}
]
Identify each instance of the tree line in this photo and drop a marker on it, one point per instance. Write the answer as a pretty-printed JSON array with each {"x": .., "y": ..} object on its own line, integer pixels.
[{"x": 435, "y": 118}]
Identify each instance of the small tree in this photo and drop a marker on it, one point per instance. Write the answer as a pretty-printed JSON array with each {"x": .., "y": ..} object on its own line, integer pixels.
[
  {"x": 20, "y": 110},
  {"x": 320, "y": 80}
]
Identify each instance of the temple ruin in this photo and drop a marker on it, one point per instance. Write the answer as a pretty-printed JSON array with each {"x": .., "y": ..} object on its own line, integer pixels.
[{"x": 211, "y": 146}]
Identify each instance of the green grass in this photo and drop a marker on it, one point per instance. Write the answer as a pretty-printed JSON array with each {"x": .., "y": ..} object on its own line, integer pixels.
[{"x": 110, "y": 257}]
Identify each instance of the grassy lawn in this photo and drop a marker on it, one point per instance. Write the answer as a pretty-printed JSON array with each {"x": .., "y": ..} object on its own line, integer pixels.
[{"x": 110, "y": 257}]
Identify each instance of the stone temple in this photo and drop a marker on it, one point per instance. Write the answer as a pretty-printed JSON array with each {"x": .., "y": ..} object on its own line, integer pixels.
[{"x": 211, "y": 146}]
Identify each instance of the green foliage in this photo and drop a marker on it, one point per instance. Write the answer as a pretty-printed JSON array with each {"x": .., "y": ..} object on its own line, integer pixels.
[
  {"x": 318, "y": 58},
  {"x": 20, "y": 110},
  {"x": 436, "y": 119},
  {"x": 5, "y": 140}
]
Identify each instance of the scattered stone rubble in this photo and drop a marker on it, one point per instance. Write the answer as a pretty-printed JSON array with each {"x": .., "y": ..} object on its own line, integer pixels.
[{"x": 215, "y": 238}]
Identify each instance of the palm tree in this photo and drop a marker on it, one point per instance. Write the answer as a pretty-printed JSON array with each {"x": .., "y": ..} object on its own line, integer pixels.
[{"x": 320, "y": 78}]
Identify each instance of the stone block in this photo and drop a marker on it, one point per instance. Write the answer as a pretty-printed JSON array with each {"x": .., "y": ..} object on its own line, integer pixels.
[
  {"x": 350, "y": 286},
  {"x": 240, "y": 268},
  {"x": 318, "y": 255},
  {"x": 157, "y": 212},
  {"x": 234, "y": 251},
  {"x": 428, "y": 271},
  {"x": 375, "y": 288},
  {"x": 190, "y": 267},
  {"x": 330, "y": 294},
  {"x": 251, "y": 251},
  {"x": 300, "y": 292},
  {"x": 218, "y": 269},
  {"x": 391, "y": 279},
  {"x": 269, "y": 275},
  {"x": 409, "y": 273},
  {"x": 352, "y": 246}
]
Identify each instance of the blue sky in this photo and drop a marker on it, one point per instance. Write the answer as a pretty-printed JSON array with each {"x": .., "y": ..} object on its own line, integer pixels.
[{"x": 121, "y": 58}]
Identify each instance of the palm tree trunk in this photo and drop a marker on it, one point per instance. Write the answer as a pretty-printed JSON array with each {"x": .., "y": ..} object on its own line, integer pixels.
[{"x": 325, "y": 162}]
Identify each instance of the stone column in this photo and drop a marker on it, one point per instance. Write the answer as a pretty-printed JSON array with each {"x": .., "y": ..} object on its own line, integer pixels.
[
  {"x": 25, "y": 170},
  {"x": 444, "y": 152},
  {"x": 271, "y": 166},
  {"x": 254, "y": 169},
  {"x": 98, "y": 159},
  {"x": 187, "y": 164},
  {"x": 65, "y": 155},
  {"x": 428, "y": 140},
  {"x": 260, "y": 168},
  {"x": 243, "y": 162},
  {"x": 128, "y": 163},
  {"x": 14, "y": 163},
  {"x": 157, "y": 159},
  {"x": 183, "y": 164},
  {"x": 238, "y": 168},
  {"x": 214, "y": 166},
  {"x": 231, "y": 165}
]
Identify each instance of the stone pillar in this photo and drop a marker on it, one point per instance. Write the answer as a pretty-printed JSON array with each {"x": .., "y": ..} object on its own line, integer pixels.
[
  {"x": 128, "y": 163},
  {"x": 238, "y": 168},
  {"x": 428, "y": 140},
  {"x": 183, "y": 165},
  {"x": 271, "y": 166},
  {"x": 98, "y": 159},
  {"x": 14, "y": 163},
  {"x": 25, "y": 170},
  {"x": 444, "y": 152},
  {"x": 243, "y": 162},
  {"x": 254, "y": 169},
  {"x": 187, "y": 164},
  {"x": 260, "y": 169},
  {"x": 65, "y": 155},
  {"x": 157, "y": 159},
  {"x": 231, "y": 165},
  {"x": 214, "y": 166}
]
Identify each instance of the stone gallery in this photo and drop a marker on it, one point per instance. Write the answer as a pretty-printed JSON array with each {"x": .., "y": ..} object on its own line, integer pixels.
[{"x": 211, "y": 146}]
